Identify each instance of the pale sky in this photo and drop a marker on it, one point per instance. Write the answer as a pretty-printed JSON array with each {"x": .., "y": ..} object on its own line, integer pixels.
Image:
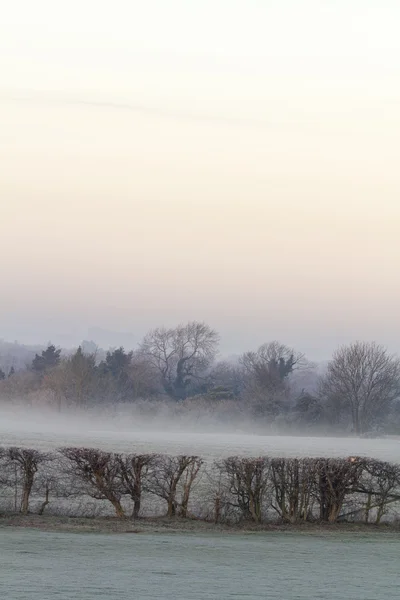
[{"x": 233, "y": 161}]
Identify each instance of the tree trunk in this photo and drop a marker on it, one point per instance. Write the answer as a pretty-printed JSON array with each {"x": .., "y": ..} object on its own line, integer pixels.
[
  {"x": 185, "y": 500},
  {"x": 46, "y": 501},
  {"x": 184, "y": 509},
  {"x": 26, "y": 492},
  {"x": 255, "y": 509},
  {"x": 171, "y": 507},
  {"x": 217, "y": 509},
  {"x": 323, "y": 511},
  {"x": 334, "y": 512},
  {"x": 380, "y": 513},
  {"x": 15, "y": 489},
  {"x": 368, "y": 507},
  {"x": 137, "y": 492},
  {"x": 119, "y": 511},
  {"x": 356, "y": 421},
  {"x": 136, "y": 508}
]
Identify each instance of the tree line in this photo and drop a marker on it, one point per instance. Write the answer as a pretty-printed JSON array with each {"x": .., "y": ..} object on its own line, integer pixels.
[
  {"x": 229, "y": 490},
  {"x": 359, "y": 390}
]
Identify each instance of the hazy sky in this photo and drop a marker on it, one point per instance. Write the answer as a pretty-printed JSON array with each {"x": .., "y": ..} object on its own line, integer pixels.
[{"x": 233, "y": 161}]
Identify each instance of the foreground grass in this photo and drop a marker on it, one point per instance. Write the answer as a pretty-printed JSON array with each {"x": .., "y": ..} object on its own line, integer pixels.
[{"x": 179, "y": 525}]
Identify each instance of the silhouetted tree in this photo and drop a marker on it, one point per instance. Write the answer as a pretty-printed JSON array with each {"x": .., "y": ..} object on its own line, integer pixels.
[
  {"x": 116, "y": 367},
  {"x": 264, "y": 377},
  {"x": 49, "y": 359},
  {"x": 181, "y": 355},
  {"x": 271, "y": 364},
  {"x": 117, "y": 362},
  {"x": 73, "y": 380},
  {"x": 81, "y": 374},
  {"x": 309, "y": 409},
  {"x": 365, "y": 378}
]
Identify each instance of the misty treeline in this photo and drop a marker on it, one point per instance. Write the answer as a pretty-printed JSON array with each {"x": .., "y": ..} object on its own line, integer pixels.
[
  {"x": 229, "y": 490},
  {"x": 357, "y": 392}
]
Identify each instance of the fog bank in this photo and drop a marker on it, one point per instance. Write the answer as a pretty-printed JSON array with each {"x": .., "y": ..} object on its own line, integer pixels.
[{"x": 123, "y": 429}]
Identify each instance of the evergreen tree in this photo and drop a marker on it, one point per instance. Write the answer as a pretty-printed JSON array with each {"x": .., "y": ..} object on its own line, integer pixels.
[
  {"x": 47, "y": 360},
  {"x": 115, "y": 371},
  {"x": 116, "y": 362}
]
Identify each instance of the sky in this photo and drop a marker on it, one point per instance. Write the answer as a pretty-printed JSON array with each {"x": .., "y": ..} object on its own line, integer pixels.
[{"x": 228, "y": 161}]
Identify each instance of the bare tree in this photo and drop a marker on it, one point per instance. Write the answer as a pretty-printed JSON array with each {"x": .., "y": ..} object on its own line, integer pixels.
[
  {"x": 99, "y": 471},
  {"x": 265, "y": 374},
  {"x": 73, "y": 379},
  {"x": 170, "y": 472},
  {"x": 225, "y": 381},
  {"x": 365, "y": 378},
  {"x": 134, "y": 470},
  {"x": 272, "y": 363},
  {"x": 336, "y": 479},
  {"x": 217, "y": 497},
  {"x": 180, "y": 355},
  {"x": 190, "y": 474},
  {"x": 144, "y": 378},
  {"x": 292, "y": 487},
  {"x": 381, "y": 483},
  {"x": 24, "y": 464},
  {"x": 248, "y": 479}
]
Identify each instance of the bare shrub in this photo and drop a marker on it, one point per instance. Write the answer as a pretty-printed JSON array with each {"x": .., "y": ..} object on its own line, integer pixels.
[
  {"x": 247, "y": 481},
  {"x": 20, "y": 467},
  {"x": 134, "y": 472},
  {"x": 99, "y": 472},
  {"x": 381, "y": 484},
  {"x": 336, "y": 479},
  {"x": 292, "y": 481},
  {"x": 170, "y": 473}
]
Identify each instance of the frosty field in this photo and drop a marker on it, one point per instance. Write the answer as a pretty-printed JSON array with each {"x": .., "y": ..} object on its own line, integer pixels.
[{"x": 44, "y": 565}]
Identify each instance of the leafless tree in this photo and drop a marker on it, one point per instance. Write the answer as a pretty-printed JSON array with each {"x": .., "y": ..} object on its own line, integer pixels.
[
  {"x": 180, "y": 355},
  {"x": 364, "y": 377},
  {"x": 225, "y": 380},
  {"x": 189, "y": 477},
  {"x": 143, "y": 378},
  {"x": 380, "y": 482},
  {"x": 336, "y": 479},
  {"x": 292, "y": 486},
  {"x": 72, "y": 381},
  {"x": 248, "y": 479},
  {"x": 217, "y": 498},
  {"x": 21, "y": 385},
  {"x": 265, "y": 374},
  {"x": 50, "y": 482},
  {"x": 100, "y": 473},
  {"x": 22, "y": 465},
  {"x": 134, "y": 471},
  {"x": 168, "y": 474},
  {"x": 272, "y": 363}
]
